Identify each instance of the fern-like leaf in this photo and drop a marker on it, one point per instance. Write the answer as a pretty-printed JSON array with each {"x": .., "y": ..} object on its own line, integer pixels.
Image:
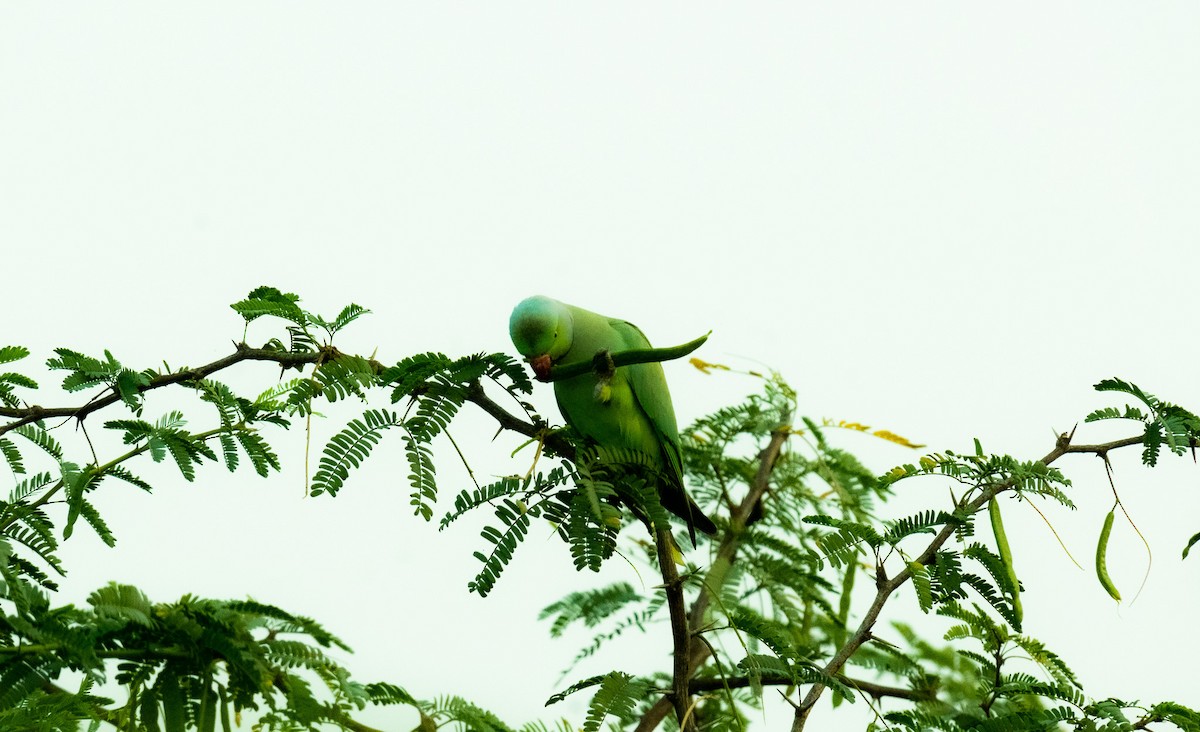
[
  {"x": 422, "y": 476},
  {"x": 858, "y": 531},
  {"x": 123, "y": 602},
  {"x": 921, "y": 523},
  {"x": 12, "y": 456},
  {"x": 270, "y": 301},
  {"x": 591, "y": 539},
  {"x": 588, "y": 606},
  {"x": 261, "y": 455},
  {"x": 40, "y": 437},
  {"x": 1130, "y": 412},
  {"x": 922, "y": 586},
  {"x": 505, "y": 544},
  {"x": 8, "y": 354},
  {"x": 350, "y": 448},
  {"x": 617, "y": 695},
  {"x": 469, "y": 500}
]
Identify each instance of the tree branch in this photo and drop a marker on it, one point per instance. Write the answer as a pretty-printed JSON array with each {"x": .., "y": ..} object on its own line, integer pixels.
[
  {"x": 136, "y": 654},
  {"x": 878, "y": 691},
  {"x": 699, "y": 651},
  {"x": 680, "y": 632},
  {"x": 26, "y": 415},
  {"x": 554, "y": 443}
]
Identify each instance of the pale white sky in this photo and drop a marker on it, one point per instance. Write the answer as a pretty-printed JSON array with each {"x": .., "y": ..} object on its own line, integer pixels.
[{"x": 947, "y": 220}]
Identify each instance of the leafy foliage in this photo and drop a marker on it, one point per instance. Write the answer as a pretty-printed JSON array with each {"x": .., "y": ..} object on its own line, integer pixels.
[
  {"x": 775, "y": 600},
  {"x": 186, "y": 663},
  {"x": 435, "y": 388},
  {"x": 8, "y": 397},
  {"x": 1165, "y": 423},
  {"x": 87, "y": 372}
]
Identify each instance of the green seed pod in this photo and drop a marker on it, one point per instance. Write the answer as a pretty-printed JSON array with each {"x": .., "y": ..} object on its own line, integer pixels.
[
  {"x": 1101, "y": 557},
  {"x": 1006, "y": 556}
]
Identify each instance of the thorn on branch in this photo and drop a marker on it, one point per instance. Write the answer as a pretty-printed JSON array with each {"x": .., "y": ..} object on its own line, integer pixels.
[{"x": 1062, "y": 444}]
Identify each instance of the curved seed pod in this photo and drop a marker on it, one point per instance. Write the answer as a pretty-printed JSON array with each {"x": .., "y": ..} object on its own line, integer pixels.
[
  {"x": 1102, "y": 559},
  {"x": 1006, "y": 556}
]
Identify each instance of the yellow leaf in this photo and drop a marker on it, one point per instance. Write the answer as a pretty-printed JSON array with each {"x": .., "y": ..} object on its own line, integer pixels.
[
  {"x": 893, "y": 437},
  {"x": 705, "y": 366},
  {"x": 881, "y": 434},
  {"x": 676, "y": 554}
]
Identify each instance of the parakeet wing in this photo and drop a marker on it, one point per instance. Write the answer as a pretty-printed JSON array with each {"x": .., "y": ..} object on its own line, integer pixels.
[{"x": 649, "y": 385}]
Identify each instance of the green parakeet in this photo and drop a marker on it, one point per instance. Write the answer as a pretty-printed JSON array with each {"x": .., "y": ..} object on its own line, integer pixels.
[{"x": 632, "y": 412}]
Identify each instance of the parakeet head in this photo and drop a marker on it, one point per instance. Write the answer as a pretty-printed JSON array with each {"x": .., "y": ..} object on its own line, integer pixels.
[{"x": 541, "y": 330}]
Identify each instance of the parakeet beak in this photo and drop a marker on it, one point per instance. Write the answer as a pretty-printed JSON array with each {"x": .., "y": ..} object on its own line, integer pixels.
[{"x": 541, "y": 366}]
